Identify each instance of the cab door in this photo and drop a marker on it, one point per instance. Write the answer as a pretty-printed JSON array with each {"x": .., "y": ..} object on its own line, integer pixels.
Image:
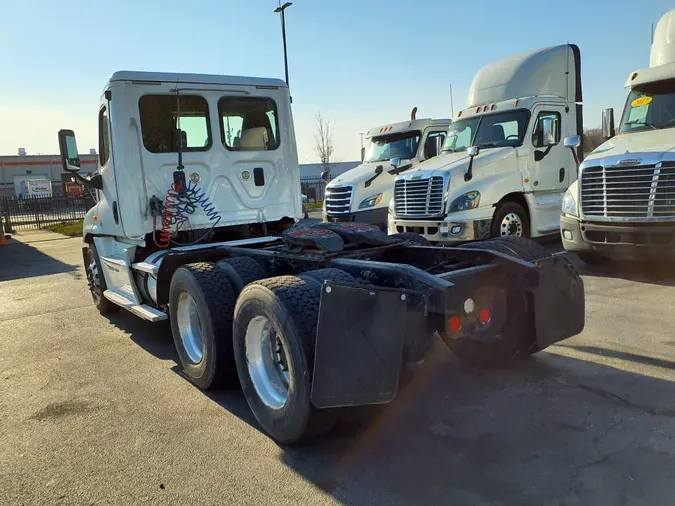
[
  {"x": 551, "y": 162},
  {"x": 551, "y": 167},
  {"x": 432, "y": 143},
  {"x": 108, "y": 207}
]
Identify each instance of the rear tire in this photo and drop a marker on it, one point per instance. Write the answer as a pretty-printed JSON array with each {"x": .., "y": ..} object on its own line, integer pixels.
[
  {"x": 412, "y": 238},
  {"x": 242, "y": 271},
  {"x": 96, "y": 281},
  {"x": 509, "y": 220},
  {"x": 516, "y": 341},
  {"x": 201, "y": 308},
  {"x": 278, "y": 391}
]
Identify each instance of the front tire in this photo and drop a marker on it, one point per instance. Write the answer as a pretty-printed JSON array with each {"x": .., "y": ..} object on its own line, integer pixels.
[
  {"x": 510, "y": 220},
  {"x": 274, "y": 338},
  {"x": 201, "y": 307}
]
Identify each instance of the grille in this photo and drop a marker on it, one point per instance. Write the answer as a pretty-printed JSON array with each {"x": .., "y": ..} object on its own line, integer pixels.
[
  {"x": 338, "y": 199},
  {"x": 645, "y": 191},
  {"x": 418, "y": 198}
]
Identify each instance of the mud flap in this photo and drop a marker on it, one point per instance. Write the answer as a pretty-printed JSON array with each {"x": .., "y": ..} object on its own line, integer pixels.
[
  {"x": 359, "y": 345},
  {"x": 559, "y": 301}
]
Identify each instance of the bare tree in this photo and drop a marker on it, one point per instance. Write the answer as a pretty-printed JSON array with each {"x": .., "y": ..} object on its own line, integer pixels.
[
  {"x": 323, "y": 142},
  {"x": 592, "y": 139}
]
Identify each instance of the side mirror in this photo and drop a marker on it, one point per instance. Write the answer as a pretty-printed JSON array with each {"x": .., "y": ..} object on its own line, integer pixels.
[
  {"x": 608, "y": 123},
  {"x": 398, "y": 165},
  {"x": 395, "y": 162},
  {"x": 472, "y": 151},
  {"x": 573, "y": 141},
  {"x": 70, "y": 159},
  {"x": 549, "y": 129},
  {"x": 363, "y": 154}
]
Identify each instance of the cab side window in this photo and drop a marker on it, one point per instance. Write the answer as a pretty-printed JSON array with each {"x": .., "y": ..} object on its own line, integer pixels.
[
  {"x": 538, "y": 133},
  {"x": 103, "y": 137},
  {"x": 434, "y": 144}
]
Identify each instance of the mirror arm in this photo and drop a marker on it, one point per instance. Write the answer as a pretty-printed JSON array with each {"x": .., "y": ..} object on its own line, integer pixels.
[
  {"x": 378, "y": 171},
  {"x": 95, "y": 181},
  {"x": 468, "y": 176}
]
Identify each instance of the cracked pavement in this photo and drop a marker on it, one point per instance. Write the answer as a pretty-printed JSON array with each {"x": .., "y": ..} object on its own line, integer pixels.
[{"x": 94, "y": 411}]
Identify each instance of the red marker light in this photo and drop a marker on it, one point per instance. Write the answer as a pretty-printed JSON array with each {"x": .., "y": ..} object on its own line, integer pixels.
[
  {"x": 455, "y": 324},
  {"x": 485, "y": 316}
]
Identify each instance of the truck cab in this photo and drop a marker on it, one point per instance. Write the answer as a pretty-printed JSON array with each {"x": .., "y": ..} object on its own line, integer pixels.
[
  {"x": 363, "y": 193},
  {"x": 623, "y": 205},
  {"x": 504, "y": 168}
]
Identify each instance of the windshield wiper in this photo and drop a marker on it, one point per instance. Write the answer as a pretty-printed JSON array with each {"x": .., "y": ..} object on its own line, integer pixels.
[{"x": 640, "y": 123}]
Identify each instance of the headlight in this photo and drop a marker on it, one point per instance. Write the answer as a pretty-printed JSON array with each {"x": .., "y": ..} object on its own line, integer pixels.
[
  {"x": 391, "y": 208},
  {"x": 569, "y": 204},
  {"x": 371, "y": 201},
  {"x": 465, "y": 202}
]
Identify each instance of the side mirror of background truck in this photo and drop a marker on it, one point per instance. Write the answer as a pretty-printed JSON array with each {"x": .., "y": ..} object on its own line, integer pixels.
[
  {"x": 472, "y": 151},
  {"x": 573, "y": 142},
  {"x": 608, "y": 123},
  {"x": 549, "y": 127},
  {"x": 399, "y": 165}
]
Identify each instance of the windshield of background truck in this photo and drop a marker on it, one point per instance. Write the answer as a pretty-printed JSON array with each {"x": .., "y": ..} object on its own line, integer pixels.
[
  {"x": 488, "y": 131},
  {"x": 650, "y": 106},
  {"x": 386, "y": 147}
]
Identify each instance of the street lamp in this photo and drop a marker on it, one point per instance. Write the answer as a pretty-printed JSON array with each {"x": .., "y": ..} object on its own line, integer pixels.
[{"x": 281, "y": 10}]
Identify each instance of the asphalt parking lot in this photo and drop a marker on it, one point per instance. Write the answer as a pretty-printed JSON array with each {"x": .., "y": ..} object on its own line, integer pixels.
[{"x": 95, "y": 411}]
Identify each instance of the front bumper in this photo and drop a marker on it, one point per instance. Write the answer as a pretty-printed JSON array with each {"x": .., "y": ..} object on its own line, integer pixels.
[
  {"x": 444, "y": 231},
  {"x": 376, "y": 217},
  {"x": 618, "y": 240}
]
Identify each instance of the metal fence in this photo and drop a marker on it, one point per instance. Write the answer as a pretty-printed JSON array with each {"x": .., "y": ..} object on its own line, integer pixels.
[
  {"x": 35, "y": 213},
  {"x": 314, "y": 188}
]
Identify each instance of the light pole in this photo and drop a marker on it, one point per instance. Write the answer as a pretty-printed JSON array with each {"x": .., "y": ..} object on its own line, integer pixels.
[
  {"x": 363, "y": 150},
  {"x": 281, "y": 10}
]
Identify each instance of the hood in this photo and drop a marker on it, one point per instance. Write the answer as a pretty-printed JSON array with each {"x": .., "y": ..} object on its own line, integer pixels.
[
  {"x": 360, "y": 173},
  {"x": 459, "y": 162},
  {"x": 655, "y": 142}
]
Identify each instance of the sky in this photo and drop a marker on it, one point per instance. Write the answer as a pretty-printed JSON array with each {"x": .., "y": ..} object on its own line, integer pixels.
[{"x": 360, "y": 63}]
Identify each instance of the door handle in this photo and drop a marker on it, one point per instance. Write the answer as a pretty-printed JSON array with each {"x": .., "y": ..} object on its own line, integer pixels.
[
  {"x": 259, "y": 176},
  {"x": 116, "y": 214},
  {"x": 562, "y": 174}
]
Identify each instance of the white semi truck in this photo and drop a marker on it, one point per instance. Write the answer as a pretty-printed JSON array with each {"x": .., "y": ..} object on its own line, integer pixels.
[
  {"x": 623, "y": 205},
  {"x": 199, "y": 192},
  {"x": 504, "y": 168},
  {"x": 363, "y": 193}
]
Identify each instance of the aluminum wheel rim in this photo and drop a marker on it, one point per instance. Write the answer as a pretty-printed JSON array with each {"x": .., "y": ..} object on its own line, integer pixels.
[
  {"x": 190, "y": 327},
  {"x": 268, "y": 362},
  {"x": 511, "y": 225},
  {"x": 93, "y": 278}
]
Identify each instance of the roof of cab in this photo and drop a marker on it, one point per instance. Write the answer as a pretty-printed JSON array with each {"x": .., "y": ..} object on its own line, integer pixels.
[
  {"x": 404, "y": 126},
  {"x": 173, "y": 77}
]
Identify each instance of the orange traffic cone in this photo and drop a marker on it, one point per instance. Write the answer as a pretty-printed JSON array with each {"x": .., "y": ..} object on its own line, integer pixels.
[{"x": 3, "y": 241}]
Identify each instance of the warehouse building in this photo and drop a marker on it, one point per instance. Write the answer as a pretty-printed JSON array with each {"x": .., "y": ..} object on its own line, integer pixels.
[{"x": 16, "y": 170}]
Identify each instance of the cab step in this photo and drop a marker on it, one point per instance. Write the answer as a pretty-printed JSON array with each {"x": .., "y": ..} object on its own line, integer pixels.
[{"x": 144, "y": 311}]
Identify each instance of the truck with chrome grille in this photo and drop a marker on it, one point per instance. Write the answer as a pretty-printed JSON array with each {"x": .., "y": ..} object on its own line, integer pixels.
[
  {"x": 623, "y": 205},
  {"x": 503, "y": 169},
  {"x": 197, "y": 224},
  {"x": 363, "y": 194}
]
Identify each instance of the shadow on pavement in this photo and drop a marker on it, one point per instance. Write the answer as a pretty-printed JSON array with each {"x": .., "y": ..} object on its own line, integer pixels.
[
  {"x": 641, "y": 359},
  {"x": 551, "y": 431},
  {"x": 21, "y": 260},
  {"x": 656, "y": 272}
]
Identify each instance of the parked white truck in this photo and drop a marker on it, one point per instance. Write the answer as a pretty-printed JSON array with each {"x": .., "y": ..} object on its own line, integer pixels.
[
  {"x": 199, "y": 189},
  {"x": 363, "y": 193},
  {"x": 503, "y": 169},
  {"x": 623, "y": 205}
]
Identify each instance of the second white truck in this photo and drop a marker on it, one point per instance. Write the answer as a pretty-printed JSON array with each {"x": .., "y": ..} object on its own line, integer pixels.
[
  {"x": 363, "y": 193},
  {"x": 504, "y": 168}
]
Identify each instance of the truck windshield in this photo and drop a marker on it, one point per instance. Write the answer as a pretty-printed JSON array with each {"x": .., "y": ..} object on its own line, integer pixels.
[
  {"x": 488, "y": 131},
  {"x": 386, "y": 147},
  {"x": 650, "y": 106}
]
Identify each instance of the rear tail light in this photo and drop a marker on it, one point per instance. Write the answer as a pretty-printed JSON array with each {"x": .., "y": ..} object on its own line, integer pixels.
[
  {"x": 485, "y": 316},
  {"x": 455, "y": 324}
]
